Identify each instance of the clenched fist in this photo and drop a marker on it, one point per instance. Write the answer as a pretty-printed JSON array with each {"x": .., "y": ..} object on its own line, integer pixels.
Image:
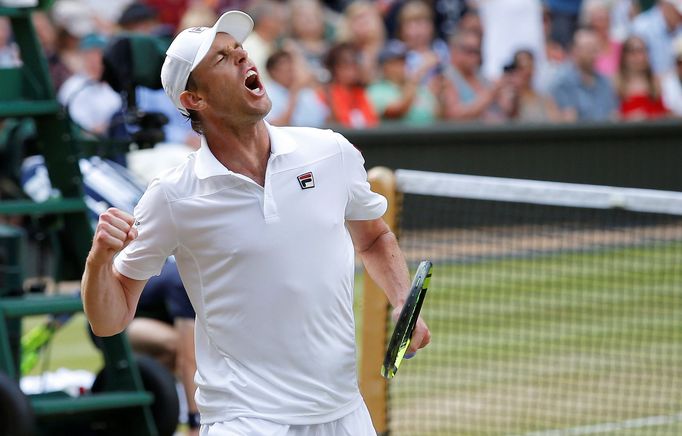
[{"x": 115, "y": 230}]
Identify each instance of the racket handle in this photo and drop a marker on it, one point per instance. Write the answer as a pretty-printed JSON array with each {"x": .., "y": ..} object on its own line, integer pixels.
[{"x": 410, "y": 355}]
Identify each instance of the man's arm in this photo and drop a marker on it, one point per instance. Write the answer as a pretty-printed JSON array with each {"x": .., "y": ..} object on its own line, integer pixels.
[
  {"x": 378, "y": 247},
  {"x": 110, "y": 298}
]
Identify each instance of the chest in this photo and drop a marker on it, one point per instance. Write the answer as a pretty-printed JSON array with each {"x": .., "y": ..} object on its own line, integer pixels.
[{"x": 297, "y": 204}]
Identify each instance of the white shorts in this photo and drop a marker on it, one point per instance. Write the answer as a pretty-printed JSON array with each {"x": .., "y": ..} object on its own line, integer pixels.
[{"x": 356, "y": 423}]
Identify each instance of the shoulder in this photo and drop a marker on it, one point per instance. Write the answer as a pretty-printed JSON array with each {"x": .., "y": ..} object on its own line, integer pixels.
[
  {"x": 310, "y": 139},
  {"x": 314, "y": 144},
  {"x": 176, "y": 182},
  {"x": 566, "y": 76},
  {"x": 642, "y": 22},
  {"x": 71, "y": 85}
]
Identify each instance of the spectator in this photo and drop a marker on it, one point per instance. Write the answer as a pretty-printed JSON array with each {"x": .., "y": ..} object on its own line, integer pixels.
[
  {"x": 9, "y": 52},
  {"x": 345, "y": 95},
  {"x": 270, "y": 23},
  {"x": 293, "y": 102},
  {"x": 564, "y": 17},
  {"x": 598, "y": 18},
  {"x": 510, "y": 25},
  {"x": 416, "y": 31},
  {"x": 638, "y": 89},
  {"x": 139, "y": 18},
  {"x": 47, "y": 35},
  {"x": 672, "y": 82},
  {"x": 622, "y": 14},
  {"x": 307, "y": 42},
  {"x": 658, "y": 27},
  {"x": 73, "y": 21},
  {"x": 581, "y": 92},
  {"x": 90, "y": 102},
  {"x": 532, "y": 106},
  {"x": 105, "y": 13},
  {"x": 364, "y": 28},
  {"x": 470, "y": 21},
  {"x": 197, "y": 15},
  {"x": 555, "y": 57},
  {"x": 449, "y": 15},
  {"x": 468, "y": 95},
  {"x": 399, "y": 95},
  {"x": 170, "y": 12}
]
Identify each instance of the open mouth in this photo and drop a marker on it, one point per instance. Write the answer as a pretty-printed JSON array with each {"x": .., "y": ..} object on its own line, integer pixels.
[{"x": 252, "y": 82}]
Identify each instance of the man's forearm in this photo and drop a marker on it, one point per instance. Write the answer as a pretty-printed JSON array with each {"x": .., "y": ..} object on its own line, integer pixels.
[
  {"x": 104, "y": 300},
  {"x": 386, "y": 264}
]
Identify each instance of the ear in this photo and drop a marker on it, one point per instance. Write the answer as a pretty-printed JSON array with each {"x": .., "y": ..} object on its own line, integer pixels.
[{"x": 193, "y": 101}]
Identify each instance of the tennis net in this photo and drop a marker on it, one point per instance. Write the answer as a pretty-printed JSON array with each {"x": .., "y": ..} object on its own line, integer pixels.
[{"x": 555, "y": 309}]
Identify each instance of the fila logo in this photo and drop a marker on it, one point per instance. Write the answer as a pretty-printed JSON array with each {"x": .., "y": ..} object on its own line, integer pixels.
[{"x": 306, "y": 180}]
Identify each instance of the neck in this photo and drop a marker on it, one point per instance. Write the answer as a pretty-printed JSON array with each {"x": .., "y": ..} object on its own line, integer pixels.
[
  {"x": 242, "y": 148},
  {"x": 587, "y": 71}
]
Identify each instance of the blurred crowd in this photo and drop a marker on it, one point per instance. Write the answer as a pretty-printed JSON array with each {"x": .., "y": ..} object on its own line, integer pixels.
[{"x": 361, "y": 63}]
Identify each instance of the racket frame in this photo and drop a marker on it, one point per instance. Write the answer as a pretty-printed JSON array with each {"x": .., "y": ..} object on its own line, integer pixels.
[{"x": 404, "y": 327}]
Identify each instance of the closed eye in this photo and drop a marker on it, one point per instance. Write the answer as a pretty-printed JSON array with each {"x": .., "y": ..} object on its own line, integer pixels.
[{"x": 223, "y": 54}]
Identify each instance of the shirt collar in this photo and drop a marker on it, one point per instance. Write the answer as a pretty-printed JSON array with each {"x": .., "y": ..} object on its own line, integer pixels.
[{"x": 206, "y": 165}]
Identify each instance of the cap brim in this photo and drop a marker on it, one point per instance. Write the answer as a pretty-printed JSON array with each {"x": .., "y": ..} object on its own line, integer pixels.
[{"x": 236, "y": 23}]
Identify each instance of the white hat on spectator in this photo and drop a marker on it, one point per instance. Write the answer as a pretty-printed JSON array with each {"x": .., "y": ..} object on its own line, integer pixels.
[
  {"x": 677, "y": 4},
  {"x": 191, "y": 45}
]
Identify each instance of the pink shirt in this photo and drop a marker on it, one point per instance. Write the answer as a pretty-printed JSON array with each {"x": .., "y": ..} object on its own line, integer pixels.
[{"x": 607, "y": 62}]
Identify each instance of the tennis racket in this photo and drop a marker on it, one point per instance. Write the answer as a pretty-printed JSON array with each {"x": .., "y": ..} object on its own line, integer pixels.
[{"x": 402, "y": 333}]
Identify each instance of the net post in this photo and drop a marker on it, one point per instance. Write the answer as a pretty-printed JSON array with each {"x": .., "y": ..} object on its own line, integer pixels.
[{"x": 375, "y": 316}]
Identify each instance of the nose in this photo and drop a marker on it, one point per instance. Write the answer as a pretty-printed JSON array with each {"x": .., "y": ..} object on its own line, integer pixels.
[{"x": 240, "y": 55}]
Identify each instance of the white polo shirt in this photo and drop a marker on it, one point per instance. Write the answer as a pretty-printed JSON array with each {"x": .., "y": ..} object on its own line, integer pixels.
[{"x": 269, "y": 271}]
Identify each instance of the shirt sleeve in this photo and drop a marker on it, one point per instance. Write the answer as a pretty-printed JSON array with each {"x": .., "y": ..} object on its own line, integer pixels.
[
  {"x": 380, "y": 98},
  {"x": 146, "y": 255},
  {"x": 363, "y": 203}
]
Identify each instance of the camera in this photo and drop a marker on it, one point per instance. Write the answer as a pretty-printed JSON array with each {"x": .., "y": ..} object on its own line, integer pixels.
[
  {"x": 509, "y": 68},
  {"x": 133, "y": 60}
]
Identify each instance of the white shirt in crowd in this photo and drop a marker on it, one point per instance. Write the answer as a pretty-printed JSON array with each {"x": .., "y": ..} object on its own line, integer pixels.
[
  {"x": 671, "y": 89},
  {"x": 510, "y": 25},
  {"x": 91, "y": 104}
]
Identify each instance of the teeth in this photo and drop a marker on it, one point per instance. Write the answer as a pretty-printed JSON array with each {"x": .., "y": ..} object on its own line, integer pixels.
[{"x": 250, "y": 73}]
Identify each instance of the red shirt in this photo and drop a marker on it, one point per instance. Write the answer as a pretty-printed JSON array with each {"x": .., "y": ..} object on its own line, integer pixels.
[
  {"x": 642, "y": 106},
  {"x": 350, "y": 106}
]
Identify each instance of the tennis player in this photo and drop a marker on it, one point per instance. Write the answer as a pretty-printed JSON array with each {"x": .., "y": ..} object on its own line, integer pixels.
[{"x": 262, "y": 222}]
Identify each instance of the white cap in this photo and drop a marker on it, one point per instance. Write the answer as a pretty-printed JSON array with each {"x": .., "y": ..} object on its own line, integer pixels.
[{"x": 191, "y": 45}]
